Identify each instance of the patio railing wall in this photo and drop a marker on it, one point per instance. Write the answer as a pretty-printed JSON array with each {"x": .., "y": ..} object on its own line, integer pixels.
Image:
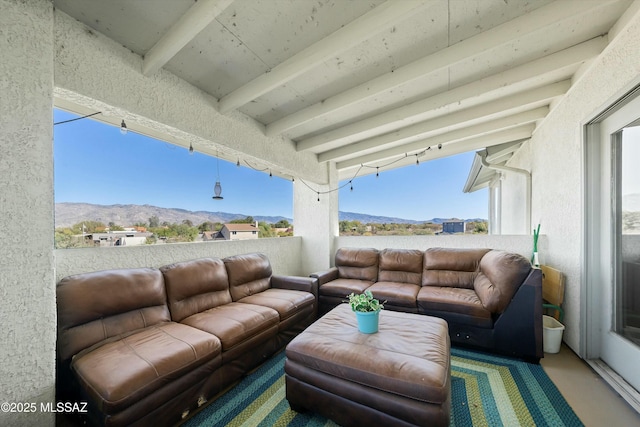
[{"x": 284, "y": 254}]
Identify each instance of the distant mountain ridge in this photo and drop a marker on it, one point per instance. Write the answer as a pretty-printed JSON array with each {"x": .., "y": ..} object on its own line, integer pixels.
[
  {"x": 366, "y": 219},
  {"x": 68, "y": 214}
]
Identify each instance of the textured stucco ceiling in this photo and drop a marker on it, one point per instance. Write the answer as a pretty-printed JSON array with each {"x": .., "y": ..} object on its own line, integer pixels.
[{"x": 368, "y": 81}]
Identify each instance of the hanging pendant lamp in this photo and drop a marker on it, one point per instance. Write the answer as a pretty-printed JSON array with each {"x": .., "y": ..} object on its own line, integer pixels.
[{"x": 217, "y": 189}]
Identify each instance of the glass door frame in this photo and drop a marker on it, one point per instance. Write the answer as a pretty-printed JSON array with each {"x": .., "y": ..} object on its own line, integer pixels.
[{"x": 601, "y": 239}]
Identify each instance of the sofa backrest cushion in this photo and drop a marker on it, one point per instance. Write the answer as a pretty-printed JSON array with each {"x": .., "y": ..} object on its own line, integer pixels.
[
  {"x": 248, "y": 274},
  {"x": 501, "y": 274},
  {"x": 95, "y": 306},
  {"x": 400, "y": 265},
  {"x": 357, "y": 263},
  {"x": 456, "y": 268},
  {"x": 195, "y": 286}
]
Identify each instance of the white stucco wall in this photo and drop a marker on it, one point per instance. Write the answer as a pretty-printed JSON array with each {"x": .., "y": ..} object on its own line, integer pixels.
[
  {"x": 555, "y": 157},
  {"x": 316, "y": 220},
  {"x": 514, "y": 204},
  {"x": 519, "y": 244},
  {"x": 283, "y": 253},
  {"x": 27, "y": 286}
]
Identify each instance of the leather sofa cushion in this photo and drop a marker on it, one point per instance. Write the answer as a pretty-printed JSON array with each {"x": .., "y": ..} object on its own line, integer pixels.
[
  {"x": 456, "y": 268},
  {"x": 400, "y": 265},
  {"x": 286, "y": 302},
  {"x": 451, "y": 300},
  {"x": 456, "y": 259},
  {"x": 449, "y": 279},
  {"x": 248, "y": 274},
  {"x": 122, "y": 371},
  {"x": 396, "y": 293},
  {"x": 195, "y": 286},
  {"x": 502, "y": 274},
  {"x": 235, "y": 322},
  {"x": 357, "y": 263},
  {"x": 98, "y": 305},
  {"x": 343, "y": 287}
]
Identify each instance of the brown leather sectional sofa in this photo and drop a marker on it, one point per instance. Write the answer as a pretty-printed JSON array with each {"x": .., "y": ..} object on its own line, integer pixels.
[
  {"x": 148, "y": 346},
  {"x": 491, "y": 299}
]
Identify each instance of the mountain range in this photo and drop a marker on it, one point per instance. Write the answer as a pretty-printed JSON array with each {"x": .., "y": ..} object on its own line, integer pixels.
[{"x": 68, "y": 214}]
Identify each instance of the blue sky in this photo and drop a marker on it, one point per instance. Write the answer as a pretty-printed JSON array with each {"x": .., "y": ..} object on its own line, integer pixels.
[{"x": 95, "y": 163}]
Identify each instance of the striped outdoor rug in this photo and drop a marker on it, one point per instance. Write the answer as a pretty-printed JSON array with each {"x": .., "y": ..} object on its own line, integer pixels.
[{"x": 486, "y": 391}]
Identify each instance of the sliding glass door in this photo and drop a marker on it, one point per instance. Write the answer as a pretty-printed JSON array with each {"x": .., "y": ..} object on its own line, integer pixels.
[{"x": 619, "y": 251}]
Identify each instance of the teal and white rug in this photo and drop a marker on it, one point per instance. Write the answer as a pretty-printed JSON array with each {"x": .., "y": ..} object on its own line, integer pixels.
[{"x": 486, "y": 390}]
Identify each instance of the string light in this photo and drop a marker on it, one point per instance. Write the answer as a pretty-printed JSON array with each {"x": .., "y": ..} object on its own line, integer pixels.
[
  {"x": 77, "y": 118},
  {"x": 218, "y": 187},
  {"x": 377, "y": 167},
  {"x": 256, "y": 168}
]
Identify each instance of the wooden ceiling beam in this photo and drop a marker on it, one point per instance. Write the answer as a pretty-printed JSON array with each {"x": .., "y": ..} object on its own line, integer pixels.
[
  {"x": 201, "y": 14},
  {"x": 515, "y": 120},
  {"x": 532, "y": 73},
  {"x": 471, "y": 47},
  {"x": 343, "y": 39},
  {"x": 500, "y": 107},
  {"x": 347, "y": 170}
]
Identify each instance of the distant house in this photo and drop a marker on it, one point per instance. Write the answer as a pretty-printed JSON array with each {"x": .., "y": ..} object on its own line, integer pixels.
[
  {"x": 208, "y": 236},
  {"x": 119, "y": 238},
  {"x": 239, "y": 231},
  {"x": 451, "y": 227}
]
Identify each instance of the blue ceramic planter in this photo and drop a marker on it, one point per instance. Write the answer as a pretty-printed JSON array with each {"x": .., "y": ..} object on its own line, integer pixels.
[{"x": 368, "y": 321}]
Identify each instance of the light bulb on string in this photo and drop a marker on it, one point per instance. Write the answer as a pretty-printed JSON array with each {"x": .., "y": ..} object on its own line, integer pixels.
[
  {"x": 123, "y": 128},
  {"x": 190, "y": 149}
]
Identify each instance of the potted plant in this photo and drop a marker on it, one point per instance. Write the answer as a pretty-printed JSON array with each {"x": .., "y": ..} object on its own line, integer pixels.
[{"x": 367, "y": 310}]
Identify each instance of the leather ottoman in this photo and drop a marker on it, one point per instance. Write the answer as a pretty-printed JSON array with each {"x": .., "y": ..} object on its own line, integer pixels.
[{"x": 399, "y": 376}]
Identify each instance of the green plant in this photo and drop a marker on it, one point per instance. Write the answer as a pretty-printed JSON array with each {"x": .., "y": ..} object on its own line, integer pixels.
[{"x": 364, "y": 302}]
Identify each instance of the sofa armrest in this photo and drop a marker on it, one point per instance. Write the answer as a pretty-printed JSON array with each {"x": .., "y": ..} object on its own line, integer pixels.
[
  {"x": 518, "y": 330},
  {"x": 325, "y": 276},
  {"x": 295, "y": 283}
]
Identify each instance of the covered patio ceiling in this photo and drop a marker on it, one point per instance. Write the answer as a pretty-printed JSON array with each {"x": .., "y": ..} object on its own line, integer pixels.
[{"x": 369, "y": 82}]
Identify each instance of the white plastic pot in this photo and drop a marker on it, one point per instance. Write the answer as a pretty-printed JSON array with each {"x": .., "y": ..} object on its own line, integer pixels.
[{"x": 551, "y": 334}]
